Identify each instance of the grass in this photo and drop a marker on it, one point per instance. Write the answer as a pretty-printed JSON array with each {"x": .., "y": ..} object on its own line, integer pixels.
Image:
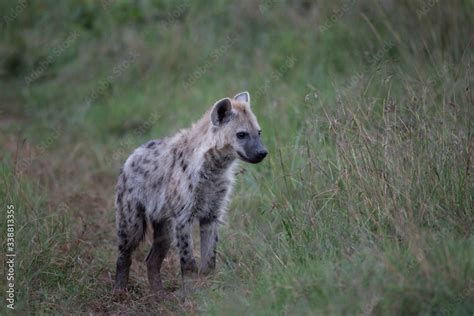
[{"x": 364, "y": 205}]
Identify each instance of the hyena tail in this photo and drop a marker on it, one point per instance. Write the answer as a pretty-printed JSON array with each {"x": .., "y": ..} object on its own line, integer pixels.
[
  {"x": 131, "y": 229},
  {"x": 131, "y": 226}
]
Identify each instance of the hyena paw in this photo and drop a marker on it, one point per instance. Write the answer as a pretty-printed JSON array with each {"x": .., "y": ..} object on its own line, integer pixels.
[
  {"x": 206, "y": 270},
  {"x": 189, "y": 285},
  {"x": 119, "y": 293},
  {"x": 189, "y": 268}
]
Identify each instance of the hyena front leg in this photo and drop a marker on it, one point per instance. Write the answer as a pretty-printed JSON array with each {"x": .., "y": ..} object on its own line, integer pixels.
[
  {"x": 161, "y": 243},
  {"x": 188, "y": 262},
  {"x": 208, "y": 233},
  {"x": 185, "y": 248}
]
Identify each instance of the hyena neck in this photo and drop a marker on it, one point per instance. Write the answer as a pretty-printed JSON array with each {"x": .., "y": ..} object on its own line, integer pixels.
[
  {"x": 216, "y": 158},
  {"x": 216, "y": 164},
  {"x": 219, "y": 159}
]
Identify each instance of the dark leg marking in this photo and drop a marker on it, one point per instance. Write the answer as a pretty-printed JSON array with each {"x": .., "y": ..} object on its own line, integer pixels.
[{"x": 183, "y": 235}]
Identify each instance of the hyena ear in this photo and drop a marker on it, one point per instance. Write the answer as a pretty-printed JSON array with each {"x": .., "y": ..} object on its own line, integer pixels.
[
  {"x": 221, "y": 112},
  {"x": 243, "y": 97}
]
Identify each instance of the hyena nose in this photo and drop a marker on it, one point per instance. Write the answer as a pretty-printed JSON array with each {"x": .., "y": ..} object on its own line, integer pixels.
[{"x": 262, "y": 153}]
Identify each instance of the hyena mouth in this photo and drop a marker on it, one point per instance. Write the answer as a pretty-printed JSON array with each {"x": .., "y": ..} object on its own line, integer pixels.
[{"x": 244, "y": 158}]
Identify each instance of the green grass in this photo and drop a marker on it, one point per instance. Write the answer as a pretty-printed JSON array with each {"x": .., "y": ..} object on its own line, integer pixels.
[{"x": 364, "y": 205}]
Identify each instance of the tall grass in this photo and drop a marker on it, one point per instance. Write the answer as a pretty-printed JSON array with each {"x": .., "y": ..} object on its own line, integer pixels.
[
  {"x": 364, "y": 205},
  {"x": 381, "y": 225}
]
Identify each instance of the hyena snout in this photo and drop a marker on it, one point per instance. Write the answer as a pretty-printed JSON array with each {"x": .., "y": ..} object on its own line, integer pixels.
[
  {"x": 255, "y": 152},
  {"x": 260, "y": 154}
]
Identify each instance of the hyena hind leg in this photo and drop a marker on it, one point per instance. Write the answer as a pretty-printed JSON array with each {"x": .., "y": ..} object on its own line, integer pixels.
[
  {"x": 129, "y": 237},
  {"x": 162, "y": 236}
]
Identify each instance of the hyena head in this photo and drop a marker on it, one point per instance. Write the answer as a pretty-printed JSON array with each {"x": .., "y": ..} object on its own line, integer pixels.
[{"x": 235, "y": 126}]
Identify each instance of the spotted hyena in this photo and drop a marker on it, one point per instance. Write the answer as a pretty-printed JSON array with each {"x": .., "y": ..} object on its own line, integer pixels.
[{"x": 175, "y": 180}]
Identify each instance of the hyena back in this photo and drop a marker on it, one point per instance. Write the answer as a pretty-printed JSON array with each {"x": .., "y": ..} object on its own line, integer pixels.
[{"x": 173, "y": 181}]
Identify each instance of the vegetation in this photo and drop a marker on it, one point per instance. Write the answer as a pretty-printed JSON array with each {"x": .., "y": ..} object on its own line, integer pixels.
[{"x": 363, "y": 206}]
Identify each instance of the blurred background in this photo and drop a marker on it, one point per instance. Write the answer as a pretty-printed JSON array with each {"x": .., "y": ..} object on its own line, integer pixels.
[{"x": 364, "y": 205}]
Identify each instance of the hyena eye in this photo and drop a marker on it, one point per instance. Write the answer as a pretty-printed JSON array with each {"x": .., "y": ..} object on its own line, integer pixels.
[
  {"x": 242, "y": 135},
  {"x": 259, "y": 133}
]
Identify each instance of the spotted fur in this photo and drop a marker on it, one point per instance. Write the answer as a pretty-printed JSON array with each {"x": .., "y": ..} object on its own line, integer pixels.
[{"x": 174, "y": 181}]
